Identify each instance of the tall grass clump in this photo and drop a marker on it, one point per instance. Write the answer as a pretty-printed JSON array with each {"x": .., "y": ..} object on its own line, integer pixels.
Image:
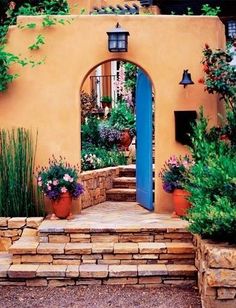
[{"x": 18, "y": 196}]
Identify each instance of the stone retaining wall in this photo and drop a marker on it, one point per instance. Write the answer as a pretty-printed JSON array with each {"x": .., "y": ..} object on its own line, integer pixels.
[
  {"x": 95, "y": 183},
  {"x": 11, "y": 229},
  {"x": 216, "y": 264}
]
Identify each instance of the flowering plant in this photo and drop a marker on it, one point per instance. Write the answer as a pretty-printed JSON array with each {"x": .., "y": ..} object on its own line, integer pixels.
[
  {"x": 109, "y": 134},
  {"x": 90, "y": 161},
  {"x": 58, "y": 178},
  {"x": 174, "y": 172}
]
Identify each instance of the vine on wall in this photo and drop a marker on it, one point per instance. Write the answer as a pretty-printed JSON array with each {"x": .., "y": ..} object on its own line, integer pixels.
[{"x": 8, "y": 15}]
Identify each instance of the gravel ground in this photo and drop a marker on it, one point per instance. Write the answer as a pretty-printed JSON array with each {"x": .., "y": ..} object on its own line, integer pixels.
[{"x": 99, "y": 297}]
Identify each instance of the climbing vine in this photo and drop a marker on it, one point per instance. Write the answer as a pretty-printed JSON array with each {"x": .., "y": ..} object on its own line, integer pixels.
[{"x": 8, "y": 15}]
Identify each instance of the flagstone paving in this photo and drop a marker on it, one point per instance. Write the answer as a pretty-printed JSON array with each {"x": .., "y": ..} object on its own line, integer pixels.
[{"x": 115, "y": 217}]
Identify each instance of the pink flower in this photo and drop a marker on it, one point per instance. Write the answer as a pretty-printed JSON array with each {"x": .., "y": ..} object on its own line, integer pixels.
[
  {"x": 40, "y": 183},
  {"x": 186, "y": 164},
  {"x": 12, "y": 5},
  {"x": 63, "y": 189},
  {"x": 49, "y": 187},
  {"x": 71, "y": 180},
  {"x": 173, "y": 161},
  {"x": 55, "y": 182}
]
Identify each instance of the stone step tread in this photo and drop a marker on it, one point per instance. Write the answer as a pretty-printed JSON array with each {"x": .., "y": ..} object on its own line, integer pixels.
[
  {"x": 105, "y": 248},
  {"x": 99, "y": 271},
  {"x": 122, "y": 191},
  {"x": 127, "y": 179}
]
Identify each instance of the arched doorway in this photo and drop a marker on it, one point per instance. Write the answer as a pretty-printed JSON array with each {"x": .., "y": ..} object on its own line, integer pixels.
[{"x": 109, "y": 80}]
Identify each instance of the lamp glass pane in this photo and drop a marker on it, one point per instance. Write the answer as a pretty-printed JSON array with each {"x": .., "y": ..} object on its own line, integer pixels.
[
  {"x": 113, "y": 36},
  {"x": 121, "y": 44},
  {"x": 122, "y": 37}
]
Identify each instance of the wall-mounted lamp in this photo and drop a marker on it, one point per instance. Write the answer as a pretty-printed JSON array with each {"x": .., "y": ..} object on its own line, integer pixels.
[
  {"x": 186, "y": 79},
  {"x": 231, "y": 28},
  {"x": 118, "y": 39}
]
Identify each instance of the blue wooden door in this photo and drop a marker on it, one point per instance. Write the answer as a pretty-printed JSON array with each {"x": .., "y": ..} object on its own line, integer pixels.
[{"x": 144, "y": 176}]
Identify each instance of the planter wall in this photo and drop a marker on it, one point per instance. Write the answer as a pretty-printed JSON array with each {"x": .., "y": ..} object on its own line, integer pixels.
[
  {"x": 11, "y": 229},
  {"x": 216, "y": 264},
  {"x": 96, "y": 183}
]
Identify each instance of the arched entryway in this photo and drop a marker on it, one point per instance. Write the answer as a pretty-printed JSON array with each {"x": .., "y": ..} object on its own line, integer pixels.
[{"x": 104, "y": 83}]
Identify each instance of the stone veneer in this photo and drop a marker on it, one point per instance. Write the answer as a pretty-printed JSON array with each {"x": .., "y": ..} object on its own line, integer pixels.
[
  {"x": 216, "y": 264},
  {"x": 96, "y": 183},
  {"x": 11, "y": 229}
]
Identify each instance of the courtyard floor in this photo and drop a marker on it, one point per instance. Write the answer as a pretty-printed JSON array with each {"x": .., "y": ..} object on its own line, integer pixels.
[
  {"x": 115, "y": 216},
  {"x": 99, "y": 297}
]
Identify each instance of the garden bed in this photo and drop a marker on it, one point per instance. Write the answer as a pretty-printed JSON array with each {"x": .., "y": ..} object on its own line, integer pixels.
[{"x": 216, "y": 264}]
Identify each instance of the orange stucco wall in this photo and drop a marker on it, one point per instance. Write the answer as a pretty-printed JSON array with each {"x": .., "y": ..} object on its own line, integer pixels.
[{"x": 47, "y": 97}]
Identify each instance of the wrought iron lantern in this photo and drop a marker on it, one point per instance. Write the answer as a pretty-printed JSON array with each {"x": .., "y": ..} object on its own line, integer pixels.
[
  {"x": 118, "y": 39},
  {"x": 231, "y": 29},
  {"x": 186, "y": 79}
]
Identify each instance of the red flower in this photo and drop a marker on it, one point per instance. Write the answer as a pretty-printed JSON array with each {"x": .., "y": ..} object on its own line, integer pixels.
[
  {"x": 206, "y": 68},
  {"x": 201, "y": 80}
]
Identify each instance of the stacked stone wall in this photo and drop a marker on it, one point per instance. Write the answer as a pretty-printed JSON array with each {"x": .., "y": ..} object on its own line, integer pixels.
[
  {"x": 216, "y": 264},
  {"x": 11, "y": 229},
  {"x": 96, "y": 183}
]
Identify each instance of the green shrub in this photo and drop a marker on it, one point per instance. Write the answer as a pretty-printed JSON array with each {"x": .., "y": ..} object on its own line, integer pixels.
[
  {"x": 18, "y": 196},
  {"x": 90, "y": 132},
  {"x": 212, "y": 190},
  {"x": 212, "y": 184},
  {"x": 122, "y": 117}
]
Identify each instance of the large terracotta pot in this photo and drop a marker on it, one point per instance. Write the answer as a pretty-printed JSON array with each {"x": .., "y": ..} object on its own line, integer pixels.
[
  {"x": 181, "y": 204},
  {"x": 62, "y": 206},
  {"x": 125, "y": 140}
]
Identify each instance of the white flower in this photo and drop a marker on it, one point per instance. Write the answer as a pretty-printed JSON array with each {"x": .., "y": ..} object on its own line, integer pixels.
[{"x": 66, "y": 177}]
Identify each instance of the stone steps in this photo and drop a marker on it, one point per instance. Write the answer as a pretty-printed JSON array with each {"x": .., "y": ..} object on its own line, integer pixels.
[
  {"x": 63, "y": 275},
  {"x": 124, "y": 182},
  {"x": 128, "y": 171},
  {"x": 121, "y": 194},
  {"x": 102, "y": 253}
]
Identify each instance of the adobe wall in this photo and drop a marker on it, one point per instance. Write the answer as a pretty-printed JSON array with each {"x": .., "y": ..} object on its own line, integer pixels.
[{"x": 47, "y": 97}]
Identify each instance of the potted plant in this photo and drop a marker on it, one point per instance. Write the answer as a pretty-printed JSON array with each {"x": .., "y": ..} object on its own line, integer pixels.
[
  {"x": 106, "y": 101},
  {"x": 174, "y": 177},
  {"x": 123, "y": 119},
  {"x": 59, "y": 183}
]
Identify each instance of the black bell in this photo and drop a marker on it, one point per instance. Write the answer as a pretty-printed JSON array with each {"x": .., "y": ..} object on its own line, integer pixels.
[{"x": 186, "y": 79}]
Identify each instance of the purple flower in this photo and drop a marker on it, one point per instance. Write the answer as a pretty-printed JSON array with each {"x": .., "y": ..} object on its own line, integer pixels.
[
  {"x": 78, "y": 190},
  {"x": 109, "y": 134},
  {"x": 168, "y": 187}
]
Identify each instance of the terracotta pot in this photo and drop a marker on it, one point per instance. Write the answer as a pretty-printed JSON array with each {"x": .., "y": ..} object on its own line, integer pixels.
[
  {"x": 181, "y": 204},
  {"x": 62, "y": 206},
  {"x": 125, "y": 140}
]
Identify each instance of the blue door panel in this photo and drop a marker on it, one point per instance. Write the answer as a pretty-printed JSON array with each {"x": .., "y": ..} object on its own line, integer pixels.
[{"x": 144, "y": 177}]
